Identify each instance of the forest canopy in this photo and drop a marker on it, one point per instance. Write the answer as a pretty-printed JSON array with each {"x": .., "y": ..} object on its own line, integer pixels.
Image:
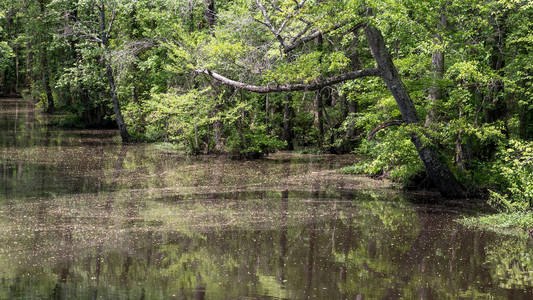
[{"x": 429, "y": 93}]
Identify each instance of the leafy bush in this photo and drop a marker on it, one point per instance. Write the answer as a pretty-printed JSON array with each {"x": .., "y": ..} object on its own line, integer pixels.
[
  {"x": 6, "y": 53},
  {"x": 512, "y": 175},
  {"x": 253, "y": 142},
  {"x": 181, "y": 118},
  {"x": 394, "y": 155}
]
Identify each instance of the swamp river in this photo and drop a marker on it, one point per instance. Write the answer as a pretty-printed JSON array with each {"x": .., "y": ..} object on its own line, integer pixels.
[{"x": 84, "y": 217}]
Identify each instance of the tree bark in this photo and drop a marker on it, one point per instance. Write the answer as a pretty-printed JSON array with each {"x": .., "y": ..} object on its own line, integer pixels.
[
  {"x": 438, "y": 171},
  {"x": 319, "y": 120},
  {"x": 210, "y": 15},
  {"x": 288, "y": 133},
  {"x": 292, "y": 87},
  {"x": 110, "y": 76},
  {"x": 352, "y": 104},
  {"x": 46, "y": 81},
  {"x": 435, "y": 92},
  {"x": 319, "y": 101},
  {"x": 116, "y": 105},
  {"x": 44, "y": 68},
  {"x": 218, "y": 126},
  {"x": 373, "y": 133},
  {"x": 437, "y": 66}
]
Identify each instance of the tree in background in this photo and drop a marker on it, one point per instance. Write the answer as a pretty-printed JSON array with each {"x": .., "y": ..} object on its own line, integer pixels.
[{"x": 431, "y": 93}]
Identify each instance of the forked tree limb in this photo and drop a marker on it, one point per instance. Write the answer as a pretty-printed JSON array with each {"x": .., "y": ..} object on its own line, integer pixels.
[
  {"x": 291, "y": 87},
  {"x": 297, "y": 42},
  {"x": 299, "y": 39}
]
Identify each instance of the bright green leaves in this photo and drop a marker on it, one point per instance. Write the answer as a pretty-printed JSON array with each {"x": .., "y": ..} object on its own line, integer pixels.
[
  {"x": 305, "y": 68},
  {"x": 308, "y": 67},
  {"x": 6, "y": 53},
  {"x": 466, "y": 73},
  {"x": 513, "y": 174},
  {"x": 177, "y": 117}
]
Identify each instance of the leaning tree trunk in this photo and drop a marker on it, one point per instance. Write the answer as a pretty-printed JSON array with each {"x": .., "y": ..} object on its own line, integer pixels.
[
  {"x": 116, "y": 105},
  {"x": 437, "y": 170},
  {"x": 111, "y": 77}
]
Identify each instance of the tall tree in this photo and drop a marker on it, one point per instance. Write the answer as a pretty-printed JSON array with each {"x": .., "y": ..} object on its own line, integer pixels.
[
  {"x": 437, "y": 169},
  {"x": 106, "y": 27}
]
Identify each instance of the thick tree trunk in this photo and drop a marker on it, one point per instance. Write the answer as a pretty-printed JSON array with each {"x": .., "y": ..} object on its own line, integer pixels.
[
  {"x": 436, "y": 169},
  {"x": 287, "y": 122},
  {"x": 210, "y": 15}
]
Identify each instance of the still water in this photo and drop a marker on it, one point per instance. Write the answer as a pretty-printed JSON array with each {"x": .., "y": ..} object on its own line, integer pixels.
[{"x": 84, "y": 217}]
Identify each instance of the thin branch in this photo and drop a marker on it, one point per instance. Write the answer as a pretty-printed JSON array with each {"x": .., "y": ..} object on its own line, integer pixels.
[
  {"x": 292, "y": 87},
  {"x": 275, "y": 6},
  {"x": 315, "y": 35},
  {"x": 282, "y": 26},
  {"x": 383, "y": 126},
  {"x": 301, "y": 4},
  {"x": 268, "y": 23},
  {"x": 301, "y": 33},
  {"x": 110, "y": 25}
]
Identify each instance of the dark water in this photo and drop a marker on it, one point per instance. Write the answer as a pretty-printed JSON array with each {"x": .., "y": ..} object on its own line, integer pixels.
[{"x": 83, "y": 217}]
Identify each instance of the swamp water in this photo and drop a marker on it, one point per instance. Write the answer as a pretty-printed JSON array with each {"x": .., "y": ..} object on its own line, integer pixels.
[{"x": 84, "y": 217}]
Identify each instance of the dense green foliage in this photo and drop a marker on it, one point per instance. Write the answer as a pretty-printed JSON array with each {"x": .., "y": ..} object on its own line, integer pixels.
[{"x": 467, "y": 65}]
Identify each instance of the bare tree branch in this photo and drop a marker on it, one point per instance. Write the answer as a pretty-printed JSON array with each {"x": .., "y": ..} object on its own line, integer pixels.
[
  {"x": 299, "y": 42},
  {"x": 269, "y": 24},
  {"x": 275, "y": 6},
  {"x": 113, "y": 16},
  {"x": 292, "y": 87}
]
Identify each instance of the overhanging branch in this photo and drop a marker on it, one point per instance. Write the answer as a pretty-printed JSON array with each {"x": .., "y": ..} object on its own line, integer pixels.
[
  {"x": 383, "y": 126},
  {"x": 292, "y": 87}
]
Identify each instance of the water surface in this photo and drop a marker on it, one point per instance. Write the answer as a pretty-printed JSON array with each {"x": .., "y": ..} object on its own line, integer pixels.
[{"x": 84, "y": 217}]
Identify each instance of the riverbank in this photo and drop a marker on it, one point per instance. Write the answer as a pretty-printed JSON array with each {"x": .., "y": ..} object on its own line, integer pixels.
[{"x": 83, "y": 215}]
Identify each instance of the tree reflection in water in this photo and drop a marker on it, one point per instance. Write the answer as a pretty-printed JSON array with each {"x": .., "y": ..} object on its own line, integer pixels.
[{"x": 83, "y": 217}]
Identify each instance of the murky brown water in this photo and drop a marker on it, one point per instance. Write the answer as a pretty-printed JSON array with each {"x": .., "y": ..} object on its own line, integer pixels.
[{"x": 83, "y": 217}]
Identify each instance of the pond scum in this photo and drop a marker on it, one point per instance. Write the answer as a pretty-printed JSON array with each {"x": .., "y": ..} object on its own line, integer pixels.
[{"x": 82, "y": 216}]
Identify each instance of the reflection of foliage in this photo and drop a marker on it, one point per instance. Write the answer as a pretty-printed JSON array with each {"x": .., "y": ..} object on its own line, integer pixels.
[
  {"x": 272, "y": 287},
  {"x": 191, "y": 216},
  {"x": 387, "y": 230},
  {"x": 513, "y": 223},
  {"x": 511, "y": 263},
  {"x": 195, "y": 267}
]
